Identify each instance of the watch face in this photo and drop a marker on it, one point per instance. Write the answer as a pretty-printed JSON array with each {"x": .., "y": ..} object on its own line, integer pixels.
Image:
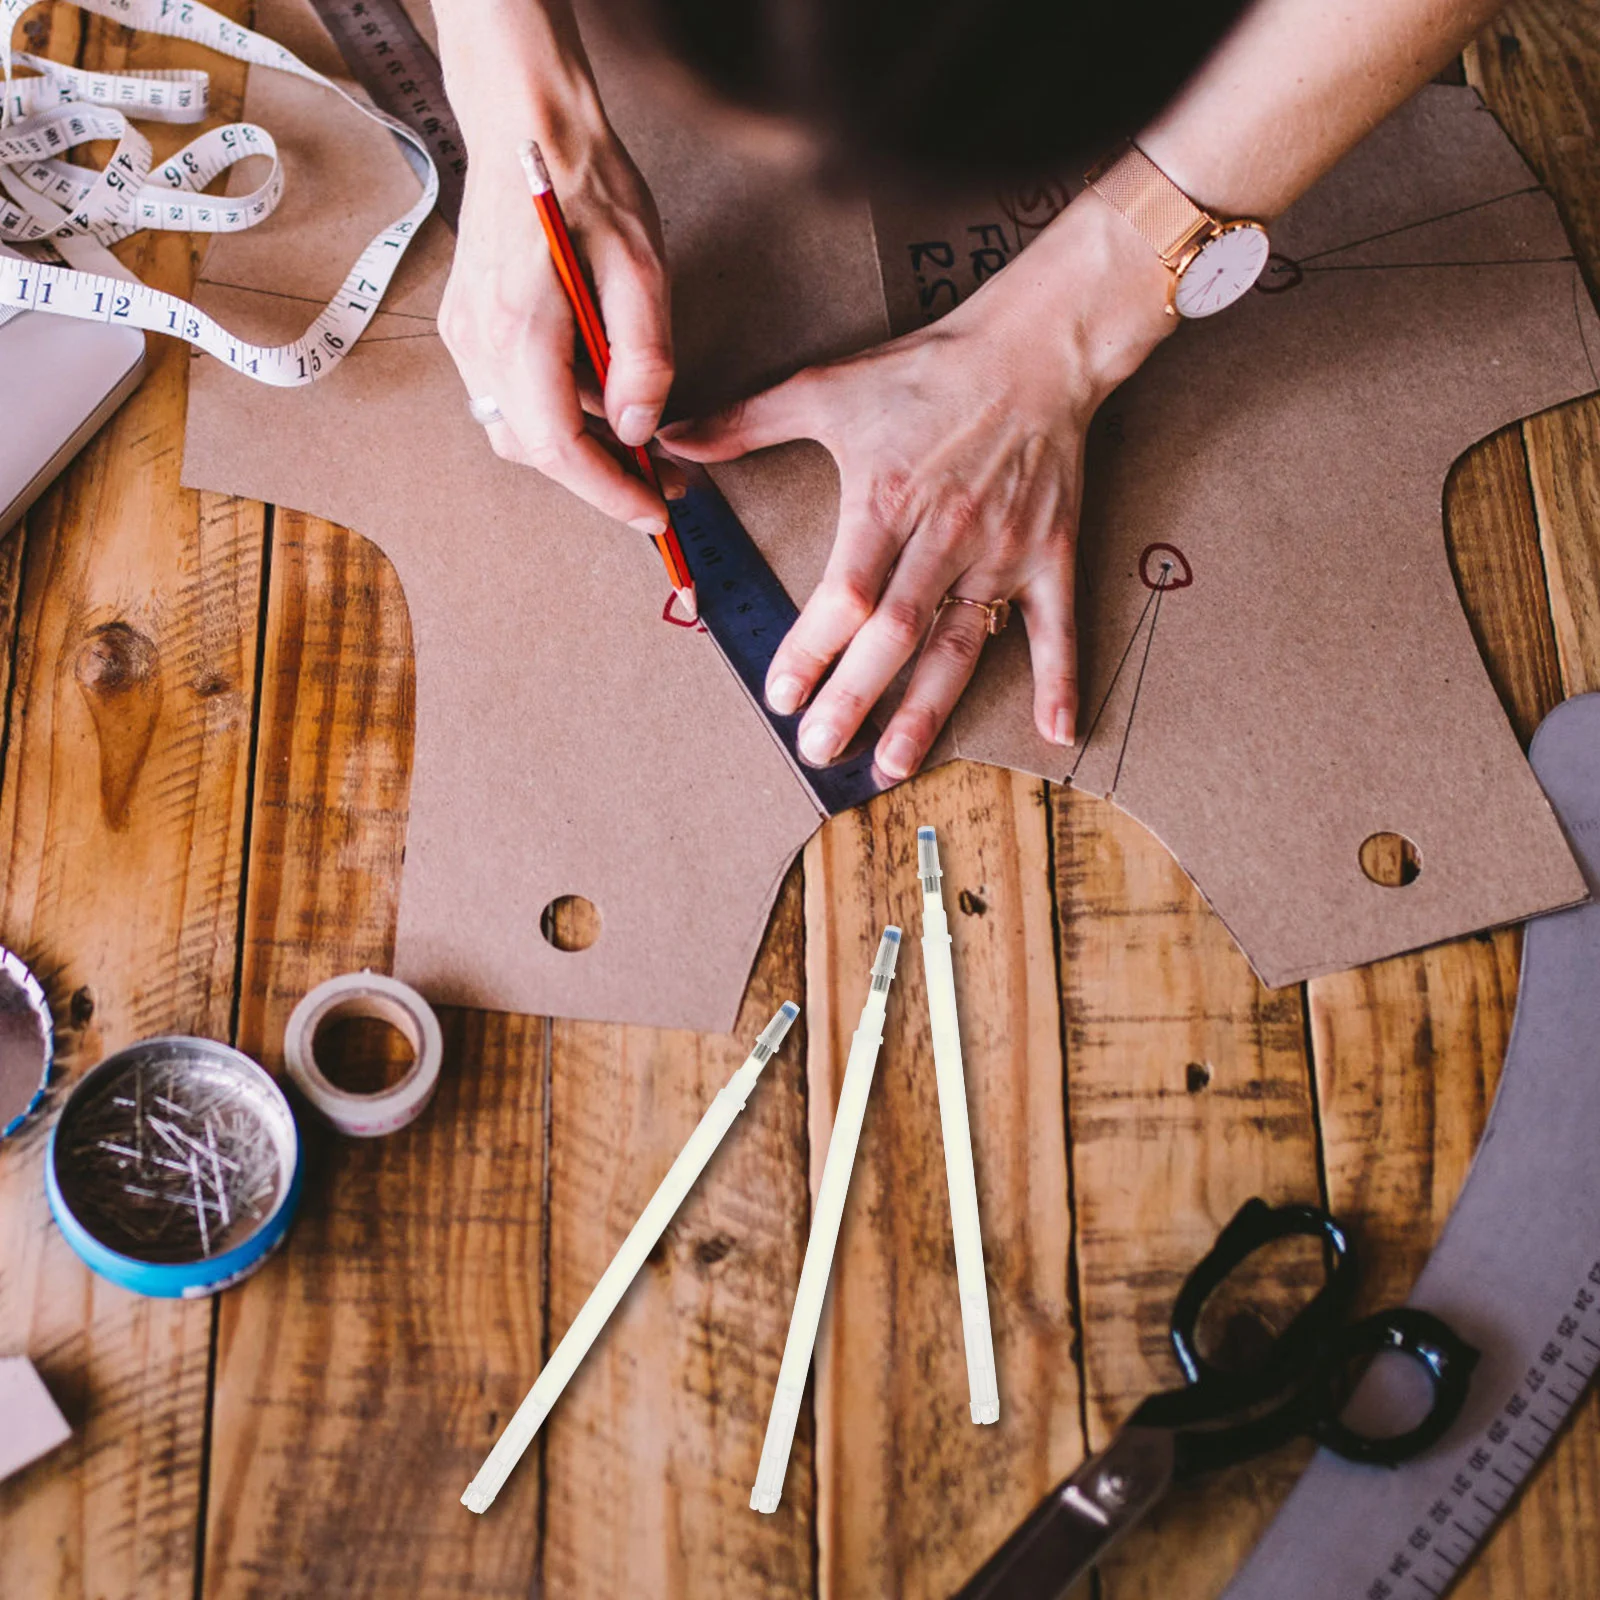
[{"x": 1221, "y": 270}]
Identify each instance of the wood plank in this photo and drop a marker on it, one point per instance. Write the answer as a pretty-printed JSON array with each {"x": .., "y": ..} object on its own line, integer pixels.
[
  {"x": 1499, "y": 571},
  {"x": 650, "y": 1455},
  {"x": 1564, "y": 464},
  {"x": 912, "y": 1495},
  {"x": 1538, "y": 66},
  {"x": 364, "y": 1373},
  {"x": 123, "y": 816},
  {"x": 1188, "y": 1092}
]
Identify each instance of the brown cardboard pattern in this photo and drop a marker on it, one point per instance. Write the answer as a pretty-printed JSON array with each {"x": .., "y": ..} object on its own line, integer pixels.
[{"x": 1316, "y": 681}]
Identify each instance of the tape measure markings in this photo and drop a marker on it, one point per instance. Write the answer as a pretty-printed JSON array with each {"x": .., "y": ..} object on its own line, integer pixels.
[{"x": 99, "y": 210}]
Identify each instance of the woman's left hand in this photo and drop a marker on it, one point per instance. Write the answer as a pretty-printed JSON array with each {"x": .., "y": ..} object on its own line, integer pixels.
[{"x": 960, "y": 456}]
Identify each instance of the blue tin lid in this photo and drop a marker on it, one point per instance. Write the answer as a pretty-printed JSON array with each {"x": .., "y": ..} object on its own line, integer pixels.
[{"x": 27, "y": 1042}]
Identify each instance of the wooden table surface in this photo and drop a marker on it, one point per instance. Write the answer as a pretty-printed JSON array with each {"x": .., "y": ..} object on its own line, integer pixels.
[{"x": 206, "y": 750}]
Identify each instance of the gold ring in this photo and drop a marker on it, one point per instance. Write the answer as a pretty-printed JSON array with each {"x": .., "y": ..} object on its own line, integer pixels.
[{"x": 997, "y": 613}]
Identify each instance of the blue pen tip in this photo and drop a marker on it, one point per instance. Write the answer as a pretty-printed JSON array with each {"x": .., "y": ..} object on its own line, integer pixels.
[
  {"x": 790, "y": 1009},
  {"x": 924, "y": 833}
]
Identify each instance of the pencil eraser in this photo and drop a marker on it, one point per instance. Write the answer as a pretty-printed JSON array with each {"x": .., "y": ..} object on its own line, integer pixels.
[{"x": 34, "y": 1425}]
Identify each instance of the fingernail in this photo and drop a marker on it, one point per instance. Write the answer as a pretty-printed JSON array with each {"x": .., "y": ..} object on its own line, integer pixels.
[
  {"x": 651, "y": 524},
  {"x": 818, "y": 743},
  {"x": 785, "y": 694},
  {"x": 636, "y": 424},
  {"x": 674, "y": 430},
  {"x": 1063, "y": 726},
  {"x": 899, "y": 756},
  {"x": 674, "y": 491}
]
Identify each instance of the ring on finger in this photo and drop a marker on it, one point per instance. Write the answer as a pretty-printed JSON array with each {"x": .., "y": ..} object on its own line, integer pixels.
[
  {"x": 997, "y": 613},
  {"x": 484, "y": 409}
]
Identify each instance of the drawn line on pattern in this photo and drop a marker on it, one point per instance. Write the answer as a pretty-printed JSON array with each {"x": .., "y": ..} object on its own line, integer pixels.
[{"x": 1150, "y": 639}]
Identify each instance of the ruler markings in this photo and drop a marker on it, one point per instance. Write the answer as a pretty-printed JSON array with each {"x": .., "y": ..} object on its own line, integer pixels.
[
  {"x": 391, "y": 60},
  {"x": 747, "y": 612}
]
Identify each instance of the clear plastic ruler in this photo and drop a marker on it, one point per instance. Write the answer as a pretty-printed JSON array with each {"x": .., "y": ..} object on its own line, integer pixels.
[
  {"x": 62, "y": 215},
  {"x": 1516, "y": 1272}
]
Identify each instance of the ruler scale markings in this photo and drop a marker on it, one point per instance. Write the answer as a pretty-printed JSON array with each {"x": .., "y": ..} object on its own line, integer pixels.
[
  {"x": 747, "y": 612},
  {"x": 391, "y": 60},
  {"x": 1524, "y": 1293}
]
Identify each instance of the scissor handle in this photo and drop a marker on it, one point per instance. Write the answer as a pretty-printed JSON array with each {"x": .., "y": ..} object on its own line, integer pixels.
[
  {"x": 1254, "y": 1226},
  {"x": 1443, "y": 1355}
]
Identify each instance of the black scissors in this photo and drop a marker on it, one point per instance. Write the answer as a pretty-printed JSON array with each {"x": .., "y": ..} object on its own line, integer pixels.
[{"x": 1297, "y": 1388}]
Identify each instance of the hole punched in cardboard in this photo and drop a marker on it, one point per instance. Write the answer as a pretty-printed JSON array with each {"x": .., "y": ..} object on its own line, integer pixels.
[
  {"x": 1390, "y": 860},
  {"x": 570, "y": 922}
]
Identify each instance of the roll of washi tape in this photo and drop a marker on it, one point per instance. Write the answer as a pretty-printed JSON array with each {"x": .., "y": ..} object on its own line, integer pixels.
[
  {"x": 27, "y": 1042},
  {"x": 174, "y": 1169},
  {"x": 365, "y": 994}
]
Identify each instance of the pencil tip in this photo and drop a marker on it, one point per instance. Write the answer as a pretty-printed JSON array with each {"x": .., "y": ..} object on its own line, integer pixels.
[{"x": 690, "y": 603}]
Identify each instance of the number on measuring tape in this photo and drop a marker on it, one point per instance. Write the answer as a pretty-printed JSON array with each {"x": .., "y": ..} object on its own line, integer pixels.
[{"x": 66, "y": 214}]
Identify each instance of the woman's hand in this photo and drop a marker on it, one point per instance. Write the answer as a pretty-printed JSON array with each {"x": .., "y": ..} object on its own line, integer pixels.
[
  {"x": 960, "y": 455},
  {"x": 523, "y": 75}
]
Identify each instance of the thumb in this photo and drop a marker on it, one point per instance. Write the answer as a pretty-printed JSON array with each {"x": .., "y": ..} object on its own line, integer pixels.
[
  {"x": 634, "y": 305},
  {"x": 789, "y": 410}
]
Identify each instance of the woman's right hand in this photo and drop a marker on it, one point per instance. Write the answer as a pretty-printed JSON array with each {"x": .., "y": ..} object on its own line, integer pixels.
[{"x": 518, "y": 71}]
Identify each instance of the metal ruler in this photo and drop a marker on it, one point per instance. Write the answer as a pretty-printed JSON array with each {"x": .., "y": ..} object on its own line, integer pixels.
[
  {"x": 747, "y": 611},
  {"x": 391, "y": 60},
  {"x": 1516, "y": 1271},
  {"x": 744, "y": 608}
]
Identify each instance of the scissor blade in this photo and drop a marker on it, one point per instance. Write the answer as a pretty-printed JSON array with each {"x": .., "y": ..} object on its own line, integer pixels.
[{"x": 1078, "y": 1521}]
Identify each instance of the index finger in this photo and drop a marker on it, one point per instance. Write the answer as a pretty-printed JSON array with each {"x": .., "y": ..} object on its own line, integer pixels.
[{"x": 535, "y": 387}]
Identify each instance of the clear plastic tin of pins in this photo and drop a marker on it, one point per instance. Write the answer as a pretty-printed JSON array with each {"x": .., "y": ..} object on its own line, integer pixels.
[{"x": 174, "y": 1169}]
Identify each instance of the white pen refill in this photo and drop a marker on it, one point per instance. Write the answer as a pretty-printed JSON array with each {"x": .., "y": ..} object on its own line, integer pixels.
[
  {"x": 829, "y": 1209},
  {"x": 982, "y": 1385},
  {"x": 614, "y": 1281}
]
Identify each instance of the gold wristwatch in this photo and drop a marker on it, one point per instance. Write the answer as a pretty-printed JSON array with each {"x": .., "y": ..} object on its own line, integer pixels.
[{"x": 1212, "y": 262}]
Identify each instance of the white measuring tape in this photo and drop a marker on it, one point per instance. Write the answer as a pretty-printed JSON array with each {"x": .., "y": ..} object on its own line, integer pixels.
[
  {"x": 70, "y": 213},
  {"x": 365, "y": 994}
]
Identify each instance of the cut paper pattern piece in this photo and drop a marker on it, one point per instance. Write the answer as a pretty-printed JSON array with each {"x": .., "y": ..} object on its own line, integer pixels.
[{"x": 1315, "y": 683}]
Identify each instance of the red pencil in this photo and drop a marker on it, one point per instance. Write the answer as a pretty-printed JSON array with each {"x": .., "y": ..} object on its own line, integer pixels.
[{"x": 587, "y": 315}]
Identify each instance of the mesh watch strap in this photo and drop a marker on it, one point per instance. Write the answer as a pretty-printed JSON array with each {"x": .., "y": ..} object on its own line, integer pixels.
[{"x": 1130, "y": 182}]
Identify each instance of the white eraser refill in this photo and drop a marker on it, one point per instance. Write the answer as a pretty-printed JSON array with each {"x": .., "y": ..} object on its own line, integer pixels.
[{"x": 30, "y": 1423}]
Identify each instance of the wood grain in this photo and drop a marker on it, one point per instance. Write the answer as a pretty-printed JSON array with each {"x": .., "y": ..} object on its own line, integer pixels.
[
  {"x": 1188, "y": 1092},
  {"x": 122, "y": 819},
  {"x": 361, "y": 1377},
  {"x": 650, "y": 1456},
  {"x": 913, "y": 1496},
  {"x": 1538, "y": 66}
]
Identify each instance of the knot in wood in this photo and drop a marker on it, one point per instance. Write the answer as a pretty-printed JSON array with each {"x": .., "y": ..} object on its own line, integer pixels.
[{"x": 115, "y": 659}]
